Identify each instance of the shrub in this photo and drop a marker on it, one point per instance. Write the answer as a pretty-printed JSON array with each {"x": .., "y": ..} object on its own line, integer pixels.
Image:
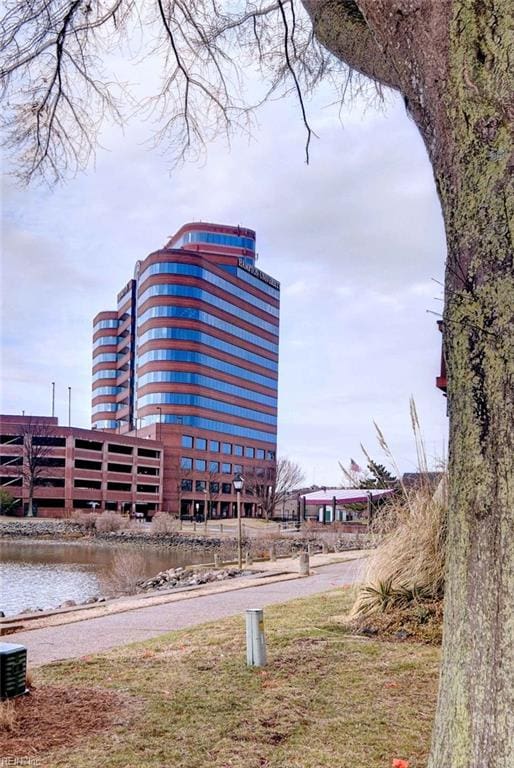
[
  {"x": 87, "y": 520},
  {"x": 126, "y": 570},
  {"x": 109, "y": 522},
  {"x": 163, "y": 523},
  {"x": 408, "y": 565}
]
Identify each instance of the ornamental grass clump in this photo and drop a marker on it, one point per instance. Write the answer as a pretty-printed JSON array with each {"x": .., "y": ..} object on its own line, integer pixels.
[{"x": 405, "y": 573}]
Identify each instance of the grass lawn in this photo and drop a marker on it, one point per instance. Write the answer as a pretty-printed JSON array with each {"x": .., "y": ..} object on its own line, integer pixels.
[{"x": 326, "y": 699}]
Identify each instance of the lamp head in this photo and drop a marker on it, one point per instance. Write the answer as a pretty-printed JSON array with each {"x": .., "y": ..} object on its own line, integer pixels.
[{"x": 238, "y": 482}]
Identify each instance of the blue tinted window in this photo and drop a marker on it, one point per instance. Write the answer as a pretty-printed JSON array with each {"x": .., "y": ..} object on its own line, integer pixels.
[
  {"x": 214, "y": 446},
  {"x": 199, "y": 337},
  {"x": 260, "y": 453},
  {"x": 214, "y": 466},
  {"x": 185, "y": 356},
  {"x": 226, "y": 487},
  {"x": 238, "y": 468},
  {"x": 201, "y": 444},
  {"x": 186, "y": 463},
  {"x": 105, "y": 424},
  {"x": 226, "y": 447},
  {"x": 105, "y": 357},
  {"x": 186, "y": 377},
  {"x": 113, "y": 323},
  {"x": 226, "y": 469},
  {"x": 106, "y": 391},
  {"x": 187, "y": 441},
  {"x": 183, "y": 398},
  {"x": 104, "y": 340},
  {"x": 200, "y": 485},
  {"x": 215, "y": 426},
  {"x": 193, "y": 270},
  {"x": 249, "y": 452},
  {"x": 238, "y": 450},
  {"x": 200, "y": 465},
  {"x": 260, "y": 284},
  {"x": 215, "y": 238},
  {"x": 270, "y": 455},
  {"x": 193, "y": 292},
  {"x": 106, "y": 374},
  {"x": 192, "y": 313},
  {"x": 104, "y": 407}
]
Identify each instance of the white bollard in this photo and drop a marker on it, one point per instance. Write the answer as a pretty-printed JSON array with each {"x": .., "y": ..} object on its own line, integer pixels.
[{"x": 255, "y": 640}]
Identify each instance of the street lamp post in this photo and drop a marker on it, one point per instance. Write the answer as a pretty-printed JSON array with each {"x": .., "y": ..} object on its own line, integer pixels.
[
  {"x": 238, "y": 485},
  {"x": 159, "y": 409}
]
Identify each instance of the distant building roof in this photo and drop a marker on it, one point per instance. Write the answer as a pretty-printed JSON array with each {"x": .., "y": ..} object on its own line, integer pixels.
[{"x": 346, "y": 495}]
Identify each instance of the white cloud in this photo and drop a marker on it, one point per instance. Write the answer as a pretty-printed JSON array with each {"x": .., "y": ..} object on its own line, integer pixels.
[{"x": 354, "y": 238}]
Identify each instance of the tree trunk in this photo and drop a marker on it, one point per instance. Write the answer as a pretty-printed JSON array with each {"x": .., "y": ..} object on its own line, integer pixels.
[
  {"x": 473, "y": 164},
  {"x": 453, "y": 63},
  {"x": 474, "y": 725}
]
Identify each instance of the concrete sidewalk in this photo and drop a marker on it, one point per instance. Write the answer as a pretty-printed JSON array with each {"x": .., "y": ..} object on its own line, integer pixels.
[{"x": 93, "y": 635}]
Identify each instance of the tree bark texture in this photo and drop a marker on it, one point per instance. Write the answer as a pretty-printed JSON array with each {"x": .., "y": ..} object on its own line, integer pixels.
[{"x": 453, "y": 62}]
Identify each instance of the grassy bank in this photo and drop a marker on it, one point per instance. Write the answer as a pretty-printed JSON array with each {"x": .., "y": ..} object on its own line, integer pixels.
[{"x": 325, "y": 699}]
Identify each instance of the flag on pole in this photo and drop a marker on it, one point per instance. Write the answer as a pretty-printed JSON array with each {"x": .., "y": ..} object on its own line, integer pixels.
[{"x": 354, "y": 467}]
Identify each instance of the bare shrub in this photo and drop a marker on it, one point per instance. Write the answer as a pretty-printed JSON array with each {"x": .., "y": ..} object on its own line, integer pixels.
[
  {"x": 126, "y": 569},
  {"x": 86, "y": 519},
  {"x": 110, "y": 522},
  {"x": 163, "y": 523},
  {"x": 7, "y": 716}
]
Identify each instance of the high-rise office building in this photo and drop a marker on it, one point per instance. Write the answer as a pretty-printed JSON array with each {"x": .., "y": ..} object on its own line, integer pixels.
[{"x": 190, "y": 357}]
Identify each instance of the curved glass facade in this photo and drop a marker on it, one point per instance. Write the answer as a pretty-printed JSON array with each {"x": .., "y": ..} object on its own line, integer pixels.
[
  {"x": 199, "y": 401},
  {"x": 192, "y": 292},
  {"x": 103, "y": 340},
  {"x": 199, "y": 380},
  {"x": 192, "y": 270},
  {"x": 105, "y": 374},
  {"x": 213, "y": 426},
  {"x": 105, "y": 357},
  {"x": 106, "y": 407},
  {"x": 111, "y": 323},
  {"x": 185, "y": 356},
  {"x": 192, "y": 313},
  {"x": 199, "y": 337},
  {"x": 215, "y": 238},
  {"x": 106, "y": 424},
  {"x": 262, "y": 285},
  {"x": 106, "y": 391}
]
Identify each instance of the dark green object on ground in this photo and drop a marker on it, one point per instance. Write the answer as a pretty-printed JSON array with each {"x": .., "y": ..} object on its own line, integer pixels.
[{"x": 13, "y": 670}]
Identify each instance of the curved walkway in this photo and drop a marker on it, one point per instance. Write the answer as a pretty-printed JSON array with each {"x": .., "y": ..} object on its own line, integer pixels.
[{"x": 70, "y": 641}]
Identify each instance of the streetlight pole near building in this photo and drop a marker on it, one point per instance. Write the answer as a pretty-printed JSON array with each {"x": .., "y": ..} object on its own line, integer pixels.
[
  {"x": 238, "y": 485},
  {"x": 159, "y": 409}
]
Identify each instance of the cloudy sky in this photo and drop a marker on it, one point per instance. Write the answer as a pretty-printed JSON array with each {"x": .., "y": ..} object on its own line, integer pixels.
[{"x": 356, "y": 239}]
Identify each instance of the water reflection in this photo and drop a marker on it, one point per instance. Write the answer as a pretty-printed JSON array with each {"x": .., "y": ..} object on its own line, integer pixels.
[{"x": 45, "y": 574}]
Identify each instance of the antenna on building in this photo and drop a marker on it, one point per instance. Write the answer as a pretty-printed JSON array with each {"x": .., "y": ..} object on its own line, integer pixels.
[
  {"x": 53, "y": 399},
  {"x": 69, "y": 406}
]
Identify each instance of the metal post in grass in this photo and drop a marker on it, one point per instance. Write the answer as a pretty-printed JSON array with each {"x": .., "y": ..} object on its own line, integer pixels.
[
  {"x": 255, "y": 638},
  {"x": 238, "y": 487}
]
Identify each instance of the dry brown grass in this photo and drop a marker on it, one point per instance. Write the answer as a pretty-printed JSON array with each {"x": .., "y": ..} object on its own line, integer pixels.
[
  {"x": 7, "y": 716},
  {"x": 406, "y": 571},
  {"x": 412, "y": 551}
]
